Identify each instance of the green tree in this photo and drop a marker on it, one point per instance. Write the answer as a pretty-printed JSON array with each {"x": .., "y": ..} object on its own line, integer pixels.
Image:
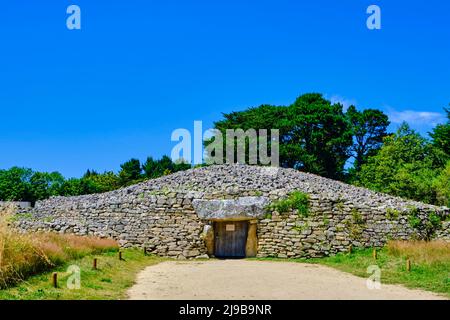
[
  {"x": 369, "y": 129},
  {"x": 130, "y": 172},
  {"x": 181, "y": 165},
  {"x": 442, "y": 186},
  {"x": 314, "y": 134},
  {"x": 21, "y": 184},
  {"x": 102, "y": 182},
  {"x": 77, "y": 187},
  {"x": 441, "y": 135},
  {"x": 15, "y": 184},
  {"x": 405, "y": 166},
  {"x": 322, "y": 134},
  {"x": 150, "y": 168},
  {"x": 157, "y": 168},
  {"x": 262, "y": 117},
  {"x": 44, "y": 185}
]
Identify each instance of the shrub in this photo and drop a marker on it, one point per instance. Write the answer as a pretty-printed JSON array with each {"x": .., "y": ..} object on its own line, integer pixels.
[
  {"x": 413, "y": 218},
  {"x": 357, "y": 217},
  {"x": 295, "y": 201},
  {"x": 356, "y": 225},
  {"x": 340, "y": 205},
  {"x": 426, "y": 226},
  {"x": 392, "y": 214}
]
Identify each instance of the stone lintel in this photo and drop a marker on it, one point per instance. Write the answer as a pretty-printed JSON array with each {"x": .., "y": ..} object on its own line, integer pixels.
[{"x": 244, "y": 208}]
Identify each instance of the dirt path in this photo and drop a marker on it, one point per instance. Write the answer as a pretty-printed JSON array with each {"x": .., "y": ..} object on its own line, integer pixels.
[{"x": 244, "y": 279}]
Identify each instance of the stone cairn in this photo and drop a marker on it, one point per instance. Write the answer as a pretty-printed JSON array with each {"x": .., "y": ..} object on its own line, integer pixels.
[{"x": 172, "y": 215}]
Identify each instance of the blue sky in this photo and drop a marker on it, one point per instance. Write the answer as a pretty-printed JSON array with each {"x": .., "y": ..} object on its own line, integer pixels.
[{"x": 137, "y": 70}]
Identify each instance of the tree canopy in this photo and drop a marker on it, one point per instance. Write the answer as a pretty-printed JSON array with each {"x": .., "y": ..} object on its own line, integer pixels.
[
  {"x": 23, "y": 184},
  {"x": 441, "y": 135},
  {"x": 406, "y": 166},
  {"x": 314, "y": 133},
  {"x": 131, "y": 172},
  {"x": 369, "y": 128}
]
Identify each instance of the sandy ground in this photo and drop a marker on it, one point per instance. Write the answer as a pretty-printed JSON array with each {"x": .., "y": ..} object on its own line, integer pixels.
[{"x": 248, "y": 280}]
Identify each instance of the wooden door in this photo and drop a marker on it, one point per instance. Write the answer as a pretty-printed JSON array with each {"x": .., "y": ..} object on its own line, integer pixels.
[{"x": 230, "y": 239}]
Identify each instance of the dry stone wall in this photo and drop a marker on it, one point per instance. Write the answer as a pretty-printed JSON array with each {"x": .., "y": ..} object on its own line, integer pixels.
[
  {"x": 333, "y": 225},
  {"x": 161, "y": 214}
]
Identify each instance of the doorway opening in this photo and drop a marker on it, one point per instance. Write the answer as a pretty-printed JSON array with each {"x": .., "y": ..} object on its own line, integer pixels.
[{"x": 230, "y": 239}]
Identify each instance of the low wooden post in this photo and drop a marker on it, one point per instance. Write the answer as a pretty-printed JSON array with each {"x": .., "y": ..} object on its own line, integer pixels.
[
  {"x": 145, "y": 251},
  {"x": 350, "y": 248},
  {"x": 94, "y": 264},
  {"x": 374, "y": 253},
  {"x": 408, "y": 265},
  {"x": 120, "y": 255},
  {"x": 55, "y": 280}
]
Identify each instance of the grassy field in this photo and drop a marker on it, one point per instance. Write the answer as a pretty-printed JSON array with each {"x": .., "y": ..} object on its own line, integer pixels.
[
  {"x": 430, "y": 264},
  {"x": 27, "y": 262},
  {"x": 24, "y": 255},
  {"x": 109, "y": 281}
]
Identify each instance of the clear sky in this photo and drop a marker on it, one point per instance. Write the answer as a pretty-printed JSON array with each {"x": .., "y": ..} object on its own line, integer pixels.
[{"x": 137, "y": 70}]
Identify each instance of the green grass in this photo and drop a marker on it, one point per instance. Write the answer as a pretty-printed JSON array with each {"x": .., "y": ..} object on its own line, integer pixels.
[
  {"x": 109, "y": 282},
  {"x": 431, "y": 276}
]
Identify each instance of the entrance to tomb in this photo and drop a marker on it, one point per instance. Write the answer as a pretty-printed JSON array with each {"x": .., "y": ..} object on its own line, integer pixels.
[{"x": 230, "y": 239}]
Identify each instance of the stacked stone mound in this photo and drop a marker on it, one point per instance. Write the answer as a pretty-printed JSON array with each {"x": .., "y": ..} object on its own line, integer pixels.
[
  {"x": 159, "y": 213},
  {"x": 234, "y": 179}
]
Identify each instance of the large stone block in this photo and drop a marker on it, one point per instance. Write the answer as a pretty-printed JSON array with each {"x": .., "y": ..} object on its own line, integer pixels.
[{"x": 241, "y": 208}]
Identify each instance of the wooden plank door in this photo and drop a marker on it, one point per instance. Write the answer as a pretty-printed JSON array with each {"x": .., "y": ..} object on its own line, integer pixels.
[{"x": 230, "y": 239}]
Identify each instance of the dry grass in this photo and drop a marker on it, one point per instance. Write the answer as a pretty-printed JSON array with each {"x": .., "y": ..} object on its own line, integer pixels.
[
  {"x": 421, "y": 251},
  {"x": 23, "y": 255}
]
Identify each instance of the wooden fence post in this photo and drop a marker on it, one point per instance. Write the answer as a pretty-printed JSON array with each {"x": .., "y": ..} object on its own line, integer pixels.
[
  {"x": 374, "y": 253},
  {"x": 55, "y": 280},
  {"x": 408, "y": 265},
  {"x": 94, "y": 264},
  {"x": 120, "y": 255}
]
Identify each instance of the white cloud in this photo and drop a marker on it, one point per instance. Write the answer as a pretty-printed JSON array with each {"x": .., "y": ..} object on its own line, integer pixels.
[
  {"x": 416, "y": 117},
  {"x": 344, "y": 101}
]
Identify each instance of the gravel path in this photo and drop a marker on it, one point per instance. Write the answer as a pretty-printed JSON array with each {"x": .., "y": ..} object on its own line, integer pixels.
[{"x": 249, "y": 279}]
